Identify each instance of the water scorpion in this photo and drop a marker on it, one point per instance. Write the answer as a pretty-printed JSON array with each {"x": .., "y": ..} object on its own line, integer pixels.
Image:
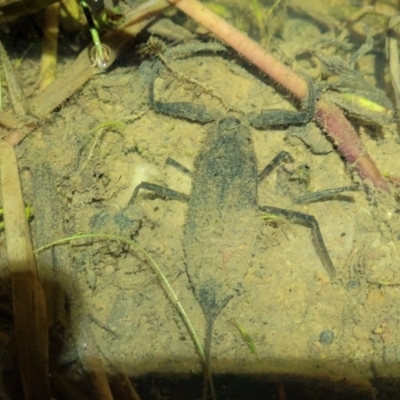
[{"x": 223, "y": 216}]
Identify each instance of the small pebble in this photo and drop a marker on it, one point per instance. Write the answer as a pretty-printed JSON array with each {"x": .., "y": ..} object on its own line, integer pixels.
[{"x": 326, "y": 337}]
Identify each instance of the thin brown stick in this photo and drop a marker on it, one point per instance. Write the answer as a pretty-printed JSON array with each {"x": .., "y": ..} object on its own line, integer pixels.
[
  {"x": 48, "y": 62},
  {"x": 122, "y": 388},
  {"x": 93, "y": 364},
  {"x": 327, "y": 115},
  {"x": 16, "y": 93},
  {"x": 29, "y": 306}
]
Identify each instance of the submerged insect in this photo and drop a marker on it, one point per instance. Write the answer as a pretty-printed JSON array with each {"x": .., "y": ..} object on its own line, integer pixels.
[{"x": 223, "y": 216}]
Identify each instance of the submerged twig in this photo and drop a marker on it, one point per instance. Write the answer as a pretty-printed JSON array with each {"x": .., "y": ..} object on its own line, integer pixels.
[
  {"x": 93, "y": 364},
  {"x": 122, "y": 388},
  {"x": 48, "y": 62},
  {"x": 29, "y": 307},
  {"x": 16, "y": 94}
]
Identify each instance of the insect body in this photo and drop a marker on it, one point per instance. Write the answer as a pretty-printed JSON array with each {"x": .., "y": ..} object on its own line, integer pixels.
[
  {"x": 223, "y": 219},
  {"x": 221, "y": 225}
]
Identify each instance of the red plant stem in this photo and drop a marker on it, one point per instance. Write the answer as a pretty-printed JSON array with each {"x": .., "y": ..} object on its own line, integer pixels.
[
  {"x": 328, "y": 116},
  {"x": 332, "y": 121}
]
